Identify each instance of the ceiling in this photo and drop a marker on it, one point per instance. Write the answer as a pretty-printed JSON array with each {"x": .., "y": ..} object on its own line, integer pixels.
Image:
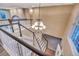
[{"x": 29, "y": 5}]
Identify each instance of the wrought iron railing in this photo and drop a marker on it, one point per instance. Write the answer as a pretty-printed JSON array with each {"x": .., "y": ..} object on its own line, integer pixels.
[{"x": 38, "y": 52}]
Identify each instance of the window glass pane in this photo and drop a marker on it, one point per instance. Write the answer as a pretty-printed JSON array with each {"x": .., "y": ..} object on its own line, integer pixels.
[
  {"x": 75, "y": 37},
  {"x": 3, "y": 16}
]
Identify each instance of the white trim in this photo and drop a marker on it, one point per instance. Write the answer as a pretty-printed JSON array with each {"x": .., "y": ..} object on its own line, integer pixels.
[
  {"x": 58, "y": 51},
  {"x": 73, "y": 48}
]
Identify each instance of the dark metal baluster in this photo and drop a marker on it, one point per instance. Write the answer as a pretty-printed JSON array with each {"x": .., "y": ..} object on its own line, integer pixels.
[
  {"x": 19, "y": 29},
  {"x": 24, "y": 43},
  {"x": 37, "y": 41},
  {"x": 43, "y": 37},
  {"x": 10, "y": 21}
]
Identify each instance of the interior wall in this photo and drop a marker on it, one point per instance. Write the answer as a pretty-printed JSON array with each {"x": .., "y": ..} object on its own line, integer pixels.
[
  {"x": 18, "y": 12},
  {"x": 55, "y": 18},
  {"x": 27, "y": 15},
  {"x": 65, "y": 43}
]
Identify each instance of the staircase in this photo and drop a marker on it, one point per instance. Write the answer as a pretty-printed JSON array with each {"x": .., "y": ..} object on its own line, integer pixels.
[
  {"x": 36, "y": 40},
  {"x": 42, "y": 43}
]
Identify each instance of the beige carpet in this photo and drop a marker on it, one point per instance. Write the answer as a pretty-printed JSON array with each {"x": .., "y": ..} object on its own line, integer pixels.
[{"x": 3, "y": 52}]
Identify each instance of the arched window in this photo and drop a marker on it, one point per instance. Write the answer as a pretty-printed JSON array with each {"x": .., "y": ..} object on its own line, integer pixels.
[{"x": 3, "y": 16}]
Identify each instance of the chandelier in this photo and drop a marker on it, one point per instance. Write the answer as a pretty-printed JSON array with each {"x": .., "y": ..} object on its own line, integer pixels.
[{"x": 38, "y": 25}]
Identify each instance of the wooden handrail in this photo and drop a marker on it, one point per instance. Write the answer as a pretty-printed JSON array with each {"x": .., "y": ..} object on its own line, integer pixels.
[
  {"x": 8, "y": 24},
  {"x": 16, "y": 19},
  {"x": 27, "y": 28},
  {"x": 21, "y": 33},
  {"x": 32, "y": 33},
  {"x": 40, "y": 53}
]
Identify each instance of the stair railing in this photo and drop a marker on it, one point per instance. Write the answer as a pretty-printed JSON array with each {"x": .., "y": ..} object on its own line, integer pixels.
[
  {"x": 32, "y": 33},
  {"x": 24, "y": 44},
  {"x": 43, "y": 38}
]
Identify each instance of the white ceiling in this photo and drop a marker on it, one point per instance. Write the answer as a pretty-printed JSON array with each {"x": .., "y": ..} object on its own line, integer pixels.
[{"x": 29, "y": 5}]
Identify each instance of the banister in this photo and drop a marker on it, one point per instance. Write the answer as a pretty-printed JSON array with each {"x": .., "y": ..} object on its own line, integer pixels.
[
  {"x": 20, "y": 30},
  {"x": 32, "y": 33},
  {"x": 17, "y": 24},
  {"x": 37, "y": 41},
  {"x": 25, "y": 44},
  {"x": 35, "y": 37},
  {"x": 16, "y": 19},
  {"x": 8, "y": 24},
  {"x": 45, "y": 39},
  {"x": 26, "y": 28}
]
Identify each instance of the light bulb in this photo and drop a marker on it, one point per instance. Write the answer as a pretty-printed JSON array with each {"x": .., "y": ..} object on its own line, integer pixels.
[
  {"x": 36, "y": 23},
  {"x": 40, "y": 28},
  {"x": 41, "y": 23},
  {"x": 31, "y": 10},
  {"x": 33, "y": 26},
  {"x": 36, "y": 28},
  {"x": 44, "y": 27}
]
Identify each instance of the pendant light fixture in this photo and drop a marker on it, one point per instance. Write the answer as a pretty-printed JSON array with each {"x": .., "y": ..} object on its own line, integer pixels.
[
  {"x": 38, "y": 25},
  {"x": 31, "y": 15}
]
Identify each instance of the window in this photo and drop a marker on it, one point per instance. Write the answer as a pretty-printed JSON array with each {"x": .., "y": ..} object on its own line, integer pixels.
[
  {"x": 75, "y": 34},
  {"x": 75, "y": 37},
  {"x": 3, "y": 16}
]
